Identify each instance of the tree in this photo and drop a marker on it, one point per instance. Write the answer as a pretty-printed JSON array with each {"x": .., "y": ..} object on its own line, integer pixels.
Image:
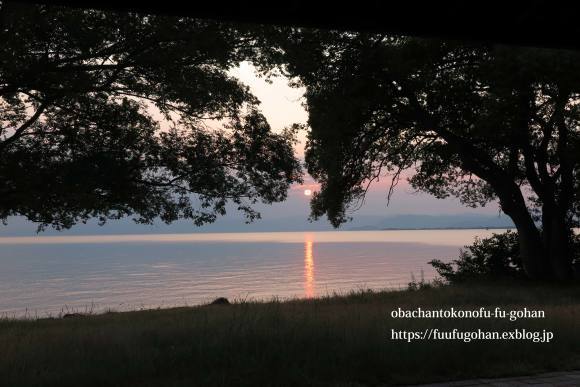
[
  {"x": 109, "y": 115},
  {"x": 480, "y": 122}
]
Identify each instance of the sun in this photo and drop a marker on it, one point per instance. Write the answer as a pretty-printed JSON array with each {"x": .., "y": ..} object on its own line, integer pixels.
[{"x": 307, "y": 192}]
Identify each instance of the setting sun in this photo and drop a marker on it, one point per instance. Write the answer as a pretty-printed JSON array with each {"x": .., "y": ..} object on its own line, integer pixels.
[{"x": 307, "y": 192}]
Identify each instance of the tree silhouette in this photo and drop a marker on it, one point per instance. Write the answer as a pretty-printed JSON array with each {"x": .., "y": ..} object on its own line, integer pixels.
[
  {"x": 479, "y": 122},
  {"x": 106, "y": 115}
]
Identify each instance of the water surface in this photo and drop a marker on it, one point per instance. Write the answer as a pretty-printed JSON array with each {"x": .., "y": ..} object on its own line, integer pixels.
[{"x": 58, "y": 274}]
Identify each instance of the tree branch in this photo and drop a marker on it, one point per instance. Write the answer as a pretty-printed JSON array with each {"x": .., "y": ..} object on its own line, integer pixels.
[{"x": 18, "y": 132}]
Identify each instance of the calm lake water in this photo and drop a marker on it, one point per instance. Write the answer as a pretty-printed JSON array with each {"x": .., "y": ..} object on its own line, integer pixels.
[{"x": 59, "y": 274}]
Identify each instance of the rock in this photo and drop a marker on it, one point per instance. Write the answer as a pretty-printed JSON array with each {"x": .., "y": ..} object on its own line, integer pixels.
[
  {"x": 220, "y": 301},
  {"x": 73, "y": 315}
]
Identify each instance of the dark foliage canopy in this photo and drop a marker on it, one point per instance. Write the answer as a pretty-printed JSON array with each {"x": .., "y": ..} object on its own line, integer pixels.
[
  {"x": 109, "y": 115},
  {"x": 458, "y": 116}
]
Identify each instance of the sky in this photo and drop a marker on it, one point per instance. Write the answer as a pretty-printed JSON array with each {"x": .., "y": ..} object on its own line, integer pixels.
[{"x": 282, "y": 106}]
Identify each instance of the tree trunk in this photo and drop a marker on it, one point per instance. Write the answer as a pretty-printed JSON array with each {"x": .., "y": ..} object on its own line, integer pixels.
[
  {"x": 556, "y": 240},
  {"x": 546, "y": 255},
  {"x": 531, "y": 249},
  {"x": 532, "y": 252}
]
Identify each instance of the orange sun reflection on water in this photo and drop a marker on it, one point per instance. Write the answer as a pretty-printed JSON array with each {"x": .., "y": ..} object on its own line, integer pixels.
[{"x": 308, "y": 268}]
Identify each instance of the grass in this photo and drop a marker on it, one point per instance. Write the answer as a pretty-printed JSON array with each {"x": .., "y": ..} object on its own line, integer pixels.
[{"x": 340, "y": 340}]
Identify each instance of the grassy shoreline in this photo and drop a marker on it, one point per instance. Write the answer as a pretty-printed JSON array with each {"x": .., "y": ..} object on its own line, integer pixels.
[{"x": 340, "y": 340}]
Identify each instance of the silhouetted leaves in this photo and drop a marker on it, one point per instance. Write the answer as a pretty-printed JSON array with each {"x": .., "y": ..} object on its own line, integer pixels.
[{"x": 115, "y": 114}]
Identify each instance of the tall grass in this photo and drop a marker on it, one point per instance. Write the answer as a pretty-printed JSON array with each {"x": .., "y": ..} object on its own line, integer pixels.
[{"x": 334, "y": 340}]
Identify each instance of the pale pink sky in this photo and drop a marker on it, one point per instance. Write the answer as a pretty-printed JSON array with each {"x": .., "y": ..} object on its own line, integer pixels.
[{"x": 281, "y": 104}]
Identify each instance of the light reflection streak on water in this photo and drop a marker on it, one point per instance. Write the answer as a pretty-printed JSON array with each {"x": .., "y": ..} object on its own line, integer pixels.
[{"x": 308, "y": 267}]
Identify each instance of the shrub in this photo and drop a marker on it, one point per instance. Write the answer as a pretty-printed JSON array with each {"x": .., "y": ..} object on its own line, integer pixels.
[{"x": 496, "y": 256}]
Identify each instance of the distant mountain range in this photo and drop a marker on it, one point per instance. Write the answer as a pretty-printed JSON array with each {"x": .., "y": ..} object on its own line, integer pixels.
[
  {"x": 20, "y": 227},
  {"x": 462, "y": 221}
]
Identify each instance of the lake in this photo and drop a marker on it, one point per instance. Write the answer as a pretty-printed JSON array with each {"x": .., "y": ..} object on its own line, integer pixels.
[{"x": 48, "y": 275}]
